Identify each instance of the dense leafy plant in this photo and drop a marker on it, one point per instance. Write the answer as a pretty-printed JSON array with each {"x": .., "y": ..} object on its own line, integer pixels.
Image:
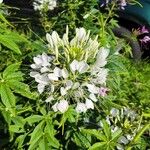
[{"x": 72, "y": 89}]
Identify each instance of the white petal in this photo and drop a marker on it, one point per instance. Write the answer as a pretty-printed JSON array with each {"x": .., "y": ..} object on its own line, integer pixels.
[
  {"x": 54, "y": 107},
  {"x": 42, "y": 79},
  {"x": 93, "y": 97},
  {"x": 76, "y": 85},
  {"x": 49, "y": 39},
  {"x": 57, "y": 72},
  {"x": 89, "y": 104},
  {"x": 123, "y": 140},
  {"x": 52, "y": 77},
  {"x": 62, "y": 106},
  {"x": 63, "y": 91},
  {"x": 81, "y": 107},
  {"x": 114, "y": 112},
  {"x": 41, "y": 88},
  {"x": 69, "y": 84},
  {"x": 82, "y": 67},
  {"x": 49, "y": 99},
  {"x": 1, "y": 1},
  {"x": 44, "y": 69},
  {"x": 74, "y": 65},
  {"x": 92, "y": 88},
  {"x": 45, "y": 60},
  {"x": 34, "y": 74},
  {"x": 64, "y": 73},
  {"x": 101, "y": 57},
  {"x": 34, "y": 66},
  {"x": 37, "y": 60}
]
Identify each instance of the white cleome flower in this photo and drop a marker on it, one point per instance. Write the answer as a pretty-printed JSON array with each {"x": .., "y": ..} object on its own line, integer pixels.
[
  {"x": 40, "y": 4},
  {"x": 81, "y": 107},
  {"x": 62, "y": 106},
  {"x": 1, "y": 1}
]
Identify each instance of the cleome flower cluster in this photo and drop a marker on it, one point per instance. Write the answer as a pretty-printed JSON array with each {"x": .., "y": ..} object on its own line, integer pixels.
[
  {"x": 73, "y": 73},
  {"x": 44, "y": 4}
]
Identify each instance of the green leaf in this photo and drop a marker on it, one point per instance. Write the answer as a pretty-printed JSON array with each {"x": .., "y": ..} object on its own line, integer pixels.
[
  {"x": 50, "y": 133},
  {"x": 43, "y": 145},
  {"x": 7, "y": 96},
  {"x": 33, "y": 119},
  {"x": 9, "y": 44},
  {"x": 116, "y": 135},
  {"x": 36, "y": 136},
  {"x": 15, "y": 128},
  {"x": 11, "y": 69},
  {"x": 21, "y": 88},
  {"x": 98, "y": 146},
  {"x": 20, "y": 139},
  {"x": 141, "y": 131},
  {"x": 95, "y": 133},
  {"x": 106, "y": 129}
]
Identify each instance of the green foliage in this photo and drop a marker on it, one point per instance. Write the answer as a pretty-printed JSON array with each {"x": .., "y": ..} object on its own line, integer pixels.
[{"x": 32, "y": 124}]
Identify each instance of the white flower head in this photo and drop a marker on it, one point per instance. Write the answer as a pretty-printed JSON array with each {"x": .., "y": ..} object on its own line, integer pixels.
[
  {"x": 41, "y": 4},
  {"x": 1, "y": 1}
]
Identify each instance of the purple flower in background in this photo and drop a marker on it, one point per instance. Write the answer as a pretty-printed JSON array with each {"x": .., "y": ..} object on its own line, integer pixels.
[
  {"x": 103, "y": 91},
  {"x": 144, "y": 30},
  {"x": 145, "y": 39}
]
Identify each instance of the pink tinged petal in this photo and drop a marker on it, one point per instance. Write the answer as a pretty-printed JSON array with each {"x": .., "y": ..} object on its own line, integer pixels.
[
  {"x": 52, "y": 77},
  {"x": 144, "y": 30},
  {"x": 41, "y": 88},
  {"x": 63, "y": 91},
  {"x": 89, "y": 104},
  {"x": 81, "y": 107},
  {"x": 103, "y": 91},
  {"x": 145, "y": 39},
  {"x": 62, "y": 106},
  {"x": 54, "y": 107},
  {"x": 93, "y": 97}
]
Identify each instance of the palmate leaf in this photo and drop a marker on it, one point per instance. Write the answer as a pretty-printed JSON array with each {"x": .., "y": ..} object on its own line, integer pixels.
[
  {"x": 21, "y": 88},
  {"x": 12, "y": 78}
]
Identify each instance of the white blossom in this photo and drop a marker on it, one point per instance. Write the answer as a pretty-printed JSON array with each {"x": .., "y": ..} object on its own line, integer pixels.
[
  {"x": 1, "y": 1},
  {"x": 54, "y": 107},
  {"x": 62, "y": 106}
]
